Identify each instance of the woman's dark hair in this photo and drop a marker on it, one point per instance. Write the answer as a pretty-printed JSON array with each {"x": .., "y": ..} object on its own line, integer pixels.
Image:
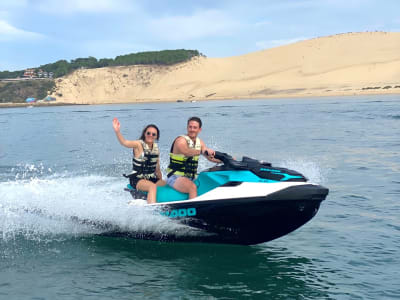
[
  {"x": 197, "y": 119},
  {"x": 142, "y": 137}
]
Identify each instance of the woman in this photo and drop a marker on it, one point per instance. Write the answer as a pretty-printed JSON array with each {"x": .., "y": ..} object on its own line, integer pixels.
[{"x": 146, "y": 160}]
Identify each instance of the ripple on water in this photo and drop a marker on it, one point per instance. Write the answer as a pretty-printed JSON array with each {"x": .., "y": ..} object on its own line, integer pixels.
[
  {"x": 348, "y": 251},
  {"x": 355, "y": 196}
]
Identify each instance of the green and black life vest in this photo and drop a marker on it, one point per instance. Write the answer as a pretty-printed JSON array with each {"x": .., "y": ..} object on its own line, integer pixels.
[
  {"x": 182, "y": 165},
  {"x": 146, "y": 164}
]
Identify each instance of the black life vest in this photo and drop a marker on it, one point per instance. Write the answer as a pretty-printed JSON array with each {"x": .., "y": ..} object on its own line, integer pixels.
[{"x": 146, "y": 164}]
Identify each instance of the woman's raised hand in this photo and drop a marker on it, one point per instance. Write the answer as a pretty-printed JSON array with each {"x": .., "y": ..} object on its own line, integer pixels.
[{"x": 116, "y": 125}]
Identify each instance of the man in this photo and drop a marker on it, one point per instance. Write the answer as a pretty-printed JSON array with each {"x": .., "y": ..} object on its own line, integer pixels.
[{"x": 184, "y": 158}]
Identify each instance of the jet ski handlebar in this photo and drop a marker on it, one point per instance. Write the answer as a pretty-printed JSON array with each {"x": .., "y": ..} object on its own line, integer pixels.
[
  {"x": 227, "y": 160},
  {"x": 245, "y": 163},
  {"x": 224, "y": 157}
]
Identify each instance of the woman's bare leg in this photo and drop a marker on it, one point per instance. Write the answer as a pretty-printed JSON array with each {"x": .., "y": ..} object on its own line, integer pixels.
[{"x": 150, "y": 188}]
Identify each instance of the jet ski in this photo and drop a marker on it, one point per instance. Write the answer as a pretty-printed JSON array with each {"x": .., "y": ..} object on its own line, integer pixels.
[{"x": 239, "y": 202}]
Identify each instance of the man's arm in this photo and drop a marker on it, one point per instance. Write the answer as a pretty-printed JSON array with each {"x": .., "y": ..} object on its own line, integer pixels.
[
  {"x": 181, "y": 147},
  {"x": 208, "y": 153}
]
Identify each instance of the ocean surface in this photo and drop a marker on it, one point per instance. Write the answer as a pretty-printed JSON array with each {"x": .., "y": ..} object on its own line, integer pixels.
[{"x": 62, "y": 163}]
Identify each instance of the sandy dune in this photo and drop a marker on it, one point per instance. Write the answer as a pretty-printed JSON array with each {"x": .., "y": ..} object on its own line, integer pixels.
[{"x": 344, "y": 64}]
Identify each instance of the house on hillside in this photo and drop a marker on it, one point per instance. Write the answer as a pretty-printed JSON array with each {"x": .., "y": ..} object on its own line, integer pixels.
[
  {"x": 30, "y": 73},
  {"x": 44, "y": 74}
]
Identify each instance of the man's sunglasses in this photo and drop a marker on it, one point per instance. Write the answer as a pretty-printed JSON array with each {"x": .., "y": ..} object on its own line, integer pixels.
[{"x": 151, "y": 133}]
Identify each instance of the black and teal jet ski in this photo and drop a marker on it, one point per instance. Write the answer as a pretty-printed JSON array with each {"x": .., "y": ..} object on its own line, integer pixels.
[{"x": 239, "y": 202}]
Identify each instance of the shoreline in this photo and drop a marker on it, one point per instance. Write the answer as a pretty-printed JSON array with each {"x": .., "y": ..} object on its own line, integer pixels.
[
  {"x": 347, "y": 93},
  {"x": 17, "y": 104}
]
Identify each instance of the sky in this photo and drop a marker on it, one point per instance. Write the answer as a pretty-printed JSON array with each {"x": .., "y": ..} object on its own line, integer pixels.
[{"x": 37, "y": 32}]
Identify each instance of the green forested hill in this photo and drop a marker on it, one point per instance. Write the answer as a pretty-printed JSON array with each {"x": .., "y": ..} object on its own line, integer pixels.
[
  {"x": 18, "y": 91},
  {"x": 63, "y": 67}
]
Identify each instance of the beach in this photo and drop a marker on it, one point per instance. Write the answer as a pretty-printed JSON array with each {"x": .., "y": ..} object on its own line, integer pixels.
[{"x": 366, "y": 63}]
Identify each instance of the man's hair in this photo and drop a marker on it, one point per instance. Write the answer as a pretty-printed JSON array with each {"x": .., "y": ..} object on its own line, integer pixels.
[{"x": 197, "y": 119}]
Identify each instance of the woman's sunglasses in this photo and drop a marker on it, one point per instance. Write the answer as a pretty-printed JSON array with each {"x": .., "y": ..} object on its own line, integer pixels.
[{"x": 151, "y": 133}]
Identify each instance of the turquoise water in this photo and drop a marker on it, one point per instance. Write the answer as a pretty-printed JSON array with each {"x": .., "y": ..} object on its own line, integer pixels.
[{"x": 66, "y": 162}]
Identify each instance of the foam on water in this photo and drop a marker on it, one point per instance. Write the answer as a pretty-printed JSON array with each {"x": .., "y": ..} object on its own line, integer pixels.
[
  {"x": 310, "y": 169},
  {"x": 54, "y": 205}
]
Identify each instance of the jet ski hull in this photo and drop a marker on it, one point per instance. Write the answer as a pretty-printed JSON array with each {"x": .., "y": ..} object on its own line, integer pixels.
[
  {"x": 241, "y": 220},
  {"x": 253, "y": 220}
]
